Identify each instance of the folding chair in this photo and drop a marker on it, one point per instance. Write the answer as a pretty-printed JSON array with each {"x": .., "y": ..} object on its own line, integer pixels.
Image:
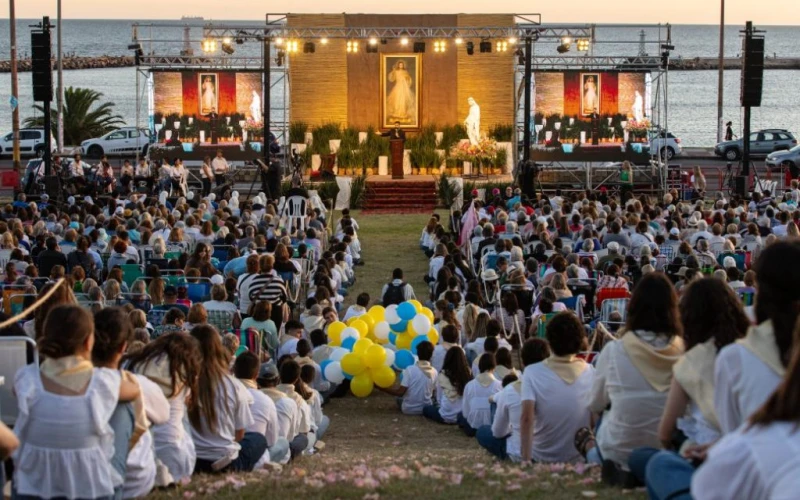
[
  {"x": 156, "y": 316},
  {"x": 5, "y": 256},
  {"x": 541, "y": 326},
  {"x": 610, "y": 306},
  {"x": 574, "y": 304},
  {"x": 221, "y": 320},
  {"x": 20, "y": 301},
  {"x": 131, "y": 272},
  {"x": 13, "y": 356},
  {"x": 8, "y": 292},
  {"x": 611, "y": 293},
  {"x": 747, "y": 296},
  {"x": 295, "y": 210},
  {"x": 199, "y": 291},
  {"x": 139, "y": 301}
]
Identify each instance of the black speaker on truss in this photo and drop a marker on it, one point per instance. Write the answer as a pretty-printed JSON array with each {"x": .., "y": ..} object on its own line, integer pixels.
[
  {"x": 752, "y": 71},
  {"x": 42, "y": 69}
]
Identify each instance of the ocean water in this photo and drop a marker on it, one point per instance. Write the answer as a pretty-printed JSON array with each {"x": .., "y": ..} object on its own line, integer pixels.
[{"x": 692, "y": 94}]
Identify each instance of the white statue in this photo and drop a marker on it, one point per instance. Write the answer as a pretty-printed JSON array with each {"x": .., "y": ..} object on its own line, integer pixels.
[
  {"x": 255, "y": 107},
  {"x": 638, "y": 108},
  {"x": 473, "y": 122}
]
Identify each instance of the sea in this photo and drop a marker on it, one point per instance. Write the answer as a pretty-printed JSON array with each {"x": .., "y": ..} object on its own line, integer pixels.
[{"x": 692, "y": 95}]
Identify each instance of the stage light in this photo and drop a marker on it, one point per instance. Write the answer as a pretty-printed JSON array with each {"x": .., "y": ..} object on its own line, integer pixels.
[
  {"x": 323, "y": 41},
  {"x": 459, "y": 40},
  {"x": 279, "y": 57},
  {"x": 419, "y": 47},
  {"x": 279, "y": 41},
  {"x": 209, "y": 45},
  {"x": 240, "y": 37},
  {"x": 439, "y": 46},
  {"x": 384, "y": 41},
  {"x": 308, "y": 48},
  {"x": 566, "y": 40},
  {"x": 486, "y": 46},
  {"x": 501, "y": 46},
  {"x": 470, "y": 48},
  {"x": 404, "y": 41},
  {"x": 292, "y": 47},
  {"x": 512, "y": 40},
  {"x": 228, "y": 48},
  {"x": 563, "y": 48},
  {"x": 352, "y": 46},
  {"x": 373, "y": 41},
  {"x": 372, "y": 49},
  {"x": 583, "y": 45},
  {"x": 227, "y": 40}
]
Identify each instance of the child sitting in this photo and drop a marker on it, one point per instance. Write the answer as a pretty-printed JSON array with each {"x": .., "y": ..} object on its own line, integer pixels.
[
  {"x": 475, "y": 409},
  {"x": 359, "y": 309},
  {"x": 416, "y": 388},
  {"x": 449, "y": 339},
  {"x": 308, "y": 373},
  {"x": 450, "y": 384}
]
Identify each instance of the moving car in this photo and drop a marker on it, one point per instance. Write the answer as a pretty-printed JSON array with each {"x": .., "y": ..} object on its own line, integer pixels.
[
  {"x": 762, "y": 143},
  {"x": 666, "y": 144},
  {"x": 789, "y": 158},
  {"x": 31, "y": 143},
  {"x": 124, "y": 141}
]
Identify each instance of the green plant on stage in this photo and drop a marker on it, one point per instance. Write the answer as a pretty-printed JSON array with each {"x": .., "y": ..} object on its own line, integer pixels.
[
  {"x": 327, "y": 191},
  {"x": 323, "y": 135},
  {"x": 358, "y": 191},
  {"x": 500, "y": 159},
  {"x": 451, "y": 135},
  {"x": 448, "y": 190},
  {"x": 423, "y": 147},
  {"x": 297, "y": 132},
  {"x": 501, "y": 133},
  {"x": 84, "y": 116}
]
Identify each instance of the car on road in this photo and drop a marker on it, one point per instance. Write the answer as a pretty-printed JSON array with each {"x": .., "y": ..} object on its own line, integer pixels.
[
  {"x": 31, "y": 143},
  {"x": 120, "y": 142},
  {"x": 666, "y": 145},
  {"x": 762, "y": 143},
  {"x": 789, "y": 158}
]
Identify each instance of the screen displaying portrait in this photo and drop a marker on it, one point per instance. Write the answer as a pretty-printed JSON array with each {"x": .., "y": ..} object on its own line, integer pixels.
[
  {"x": 577, "y": 94},
  {"x": 590, "y": 95},
  {"x": 208, "y": 89},
  {"x": 400, "y": 90}
]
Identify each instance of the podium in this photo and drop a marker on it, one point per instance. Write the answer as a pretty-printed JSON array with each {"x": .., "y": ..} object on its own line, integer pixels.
[{"x": 396, "y": 147}]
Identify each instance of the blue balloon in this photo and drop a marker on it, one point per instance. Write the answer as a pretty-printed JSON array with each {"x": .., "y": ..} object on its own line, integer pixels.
[
  {"x": 403, "y": 359},
  {"x": 393, "y": 338},
  {"x": 399, "y": 327},
  {"x": 347, "y": 376},
  {"x": 406, "y": 311},
  {"x": 323, "y": 365},
  {"x": 417, "y": 341},
  {"x": 348, "y": 343}
]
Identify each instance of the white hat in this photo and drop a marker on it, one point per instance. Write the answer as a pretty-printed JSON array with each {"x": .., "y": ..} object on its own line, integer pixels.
[
  {"x": 119, "y": 211},
  {"x": 489, "y": 275},
  {"x": 674, "y": 231},
  {"x": 88, "y": 200},
  {"x": 71, "y": 200},
  {"x": 45, "y": 197},
  {"x": 728, "y": 262},
  {"x": 217, "y": 279},
  {"x": 190, "y": 195}
]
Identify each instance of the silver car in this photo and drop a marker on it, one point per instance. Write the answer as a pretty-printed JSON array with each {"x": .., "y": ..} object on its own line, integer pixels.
[
  {"x": 789, "y": 158},
  {"x": 762, "y": 143}
]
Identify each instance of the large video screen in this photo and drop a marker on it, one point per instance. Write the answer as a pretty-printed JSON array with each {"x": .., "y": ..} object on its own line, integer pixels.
[
  {"x": 580, "y": 94},
  {"x": 227, "y": 102}
]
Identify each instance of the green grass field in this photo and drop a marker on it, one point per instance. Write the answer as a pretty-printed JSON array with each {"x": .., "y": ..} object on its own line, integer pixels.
[{"x": 373, "y": 451}]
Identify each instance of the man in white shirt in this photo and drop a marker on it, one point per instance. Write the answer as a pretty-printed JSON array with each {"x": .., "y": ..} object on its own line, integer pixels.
[
  {"x": 286, "y": 410},
  {"x": 288, "y": 341},
  {"x": 416, "y": 388},
  {"x": 265, "y": 414},
  {"x": 449, "y": 339},
  {"x": 702, "y": 232},
  {"x": 220, "y": 166},
  {"x": 397, "y": 285}
]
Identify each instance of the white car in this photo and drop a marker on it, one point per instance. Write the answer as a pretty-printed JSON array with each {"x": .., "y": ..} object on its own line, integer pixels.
[
  {"x": 666, "y": 144},
  {"x": 31, "y": 143},
  {"x": 124, "y": 141}
]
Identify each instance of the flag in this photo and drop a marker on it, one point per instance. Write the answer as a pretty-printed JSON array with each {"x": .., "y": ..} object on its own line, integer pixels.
[{"x": 469, "y": 221}]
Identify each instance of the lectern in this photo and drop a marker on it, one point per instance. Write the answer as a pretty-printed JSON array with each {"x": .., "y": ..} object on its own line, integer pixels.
[{"x": 396, "y": 147}]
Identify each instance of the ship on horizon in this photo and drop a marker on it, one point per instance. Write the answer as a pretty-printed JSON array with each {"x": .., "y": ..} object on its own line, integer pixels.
[{"x": 192, "y": 18}]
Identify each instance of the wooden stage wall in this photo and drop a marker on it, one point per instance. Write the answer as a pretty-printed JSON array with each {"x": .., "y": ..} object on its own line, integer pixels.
[{"x": 334, "y": 86}]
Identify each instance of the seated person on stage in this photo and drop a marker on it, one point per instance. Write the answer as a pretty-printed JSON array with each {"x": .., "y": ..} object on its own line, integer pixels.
[
  {"x": 416, "y": 388},
  {"x": 126, "y": 176},
  {"x": 142, "y": 173}
]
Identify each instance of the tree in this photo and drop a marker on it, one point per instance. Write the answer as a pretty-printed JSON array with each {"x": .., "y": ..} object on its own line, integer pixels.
[{"x": 84, "y": 117}]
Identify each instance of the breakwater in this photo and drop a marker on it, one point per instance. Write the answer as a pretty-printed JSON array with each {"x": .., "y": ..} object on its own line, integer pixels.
[
  {"x": 75, "y": 62},
  {"x": 706, "y": 63}
]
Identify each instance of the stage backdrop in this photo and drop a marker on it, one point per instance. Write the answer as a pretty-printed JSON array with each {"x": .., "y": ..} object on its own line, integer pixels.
[
  {"x": 200, "y": 93},
  {"x": 579, "y": 93}
]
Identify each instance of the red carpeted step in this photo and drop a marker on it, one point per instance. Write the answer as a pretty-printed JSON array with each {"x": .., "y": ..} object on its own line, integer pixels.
[{"x": 400, "y": 197}]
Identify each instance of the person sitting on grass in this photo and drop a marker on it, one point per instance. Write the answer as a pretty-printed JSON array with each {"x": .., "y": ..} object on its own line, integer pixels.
[
  {"x": 450, "y": 384},
  {"x": 475, "y": 409},
  {"x": 286, "y": 407},
  {"x": 304, "y": 358},
  {"x": 359, "y": 308},
  {"x": 290, "y": 375},
  {"x": 490, "y": 346},
  {"x": 502, "y": 438},
  {"x": 449, "y": 340},
  {"x": 308, "y": 373},
  {"x": 504, "y": 366},
  {"x": 288, "y": 341},
  {"x": 415, "y": 391}
]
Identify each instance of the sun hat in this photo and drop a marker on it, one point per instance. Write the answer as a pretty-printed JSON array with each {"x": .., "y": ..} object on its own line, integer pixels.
[
  {"x": 489, "y": 275},
  {"x": 682, "y": 271},
  {"x": 217, "y": 279}
]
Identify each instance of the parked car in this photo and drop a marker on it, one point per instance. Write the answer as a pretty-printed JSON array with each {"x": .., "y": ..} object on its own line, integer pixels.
[
  {"x": 666, "y": 144},
  {"x": 124, "y": 141},
  {"x": 31, "y": 143},
  {"x": 789, "y": 158},
  {"x": 762, "y": 143}
]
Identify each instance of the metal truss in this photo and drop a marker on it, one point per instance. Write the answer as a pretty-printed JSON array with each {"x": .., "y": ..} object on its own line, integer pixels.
[
  {"x": 194, "y": 62},
  {"x": 560, "y": 63}
]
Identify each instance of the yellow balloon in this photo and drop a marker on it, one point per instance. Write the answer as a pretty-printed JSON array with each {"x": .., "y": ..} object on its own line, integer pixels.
[
  {"x": 417, "y": 305},
  {"x": 404, "y": 341},
  {"x": 335, "y": 330},
  {"x": 353, "y": 364},
  {"x": 369, "y": 320},
  {"x": 376, "y": 313},
  {"x": 361, "y": 385},
  {"x": 383, "y": 376},
  {"x": 374, "y": 356},
  {"x": 427, "y": 312},
  {"x": 350, "y": 321},
  {"x": 361, "y": 346},
  {"x": 433, "y": 336},
  {"x": 362, "y": 327}
]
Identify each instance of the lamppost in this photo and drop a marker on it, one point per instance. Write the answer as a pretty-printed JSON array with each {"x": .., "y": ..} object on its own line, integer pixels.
[{"x": 721, "y": 70}]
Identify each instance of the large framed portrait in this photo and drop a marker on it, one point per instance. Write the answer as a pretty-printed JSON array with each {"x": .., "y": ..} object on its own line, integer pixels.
[
  {"x": 590, "y": 93},
  {"x": 208, "y": 90},
  {"x": 400, "y": 90}
]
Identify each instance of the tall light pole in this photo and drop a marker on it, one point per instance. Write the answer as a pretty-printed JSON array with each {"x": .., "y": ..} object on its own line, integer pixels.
[
  {"x": 721, "y": 76},
  {"x": 60, "y": 96},
  {"x": 12, "y": 20}
]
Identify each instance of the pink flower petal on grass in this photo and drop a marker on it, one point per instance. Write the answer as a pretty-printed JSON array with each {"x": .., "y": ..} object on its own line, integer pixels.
[
  {"x": 188, "y": 494},
  {"x": 456, "y": 479}
]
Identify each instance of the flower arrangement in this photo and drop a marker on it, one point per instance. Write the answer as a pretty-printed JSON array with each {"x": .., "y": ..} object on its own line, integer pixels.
[
  {"x": 638, "y": 129},
  {"x": 253, "y": 127},
  {"x": 486, "y": 149}
]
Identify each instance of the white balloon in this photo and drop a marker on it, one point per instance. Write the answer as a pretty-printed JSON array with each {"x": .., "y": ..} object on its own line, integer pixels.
[
  {"x": 421, "y": 324},
  {"x": 389, "y": 357},
  {"x": 350, "y": 332},
  {"x": 390, "y": 315},
  {"x": 381, "y": 330},
  {"x": 338, "y": 353},
  {"x": 333, "y": 373}
]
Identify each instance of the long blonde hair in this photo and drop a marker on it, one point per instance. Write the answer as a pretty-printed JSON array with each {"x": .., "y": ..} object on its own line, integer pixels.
[{"x": 480, "y": 326}]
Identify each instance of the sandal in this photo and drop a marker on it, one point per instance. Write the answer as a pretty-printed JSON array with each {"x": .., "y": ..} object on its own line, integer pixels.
[{"x": 583, "y": 437}]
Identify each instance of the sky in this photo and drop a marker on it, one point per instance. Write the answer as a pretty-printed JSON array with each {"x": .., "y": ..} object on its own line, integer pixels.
[{"x": 762, "y": 12}]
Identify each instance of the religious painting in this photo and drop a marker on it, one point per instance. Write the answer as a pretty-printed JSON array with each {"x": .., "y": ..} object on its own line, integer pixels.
[
  {"x": 400, "y": 90},
  {"x": 208, "y": 89},
  {"x": 590, "y": 93}
]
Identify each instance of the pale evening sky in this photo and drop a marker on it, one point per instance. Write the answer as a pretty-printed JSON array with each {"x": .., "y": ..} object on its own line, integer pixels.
[{"x": 763, "y": 12}]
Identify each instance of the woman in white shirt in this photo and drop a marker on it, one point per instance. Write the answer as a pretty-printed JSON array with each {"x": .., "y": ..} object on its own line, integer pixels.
[
  {"x": 222, "y": 413},
  {"x": 450, "y": 385},
  {"x": 475, "y": 409},
  {"x": 207, "y": 175},
  {"x": 173, "y": 362}
]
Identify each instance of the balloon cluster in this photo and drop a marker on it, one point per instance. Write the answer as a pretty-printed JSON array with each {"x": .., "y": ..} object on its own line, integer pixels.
[{"x": 361, "y": 346}]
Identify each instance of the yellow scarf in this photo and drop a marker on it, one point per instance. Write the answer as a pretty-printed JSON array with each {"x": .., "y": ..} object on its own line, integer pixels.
[
  {"x": 695, "y": 372},
  {"x": 303, "y": 361},
  {"x": 655, "y": 365},
  {"x": 250, "y": 384},
  {"x": 486, "y": 379},
  {"x": 450, "y": 392},
  {"x": 274, "y": 394},
  {"x": 568, "y": 368},
  {"x": 427, "y": 369},
  {"x": 501, "y": 372},
  {"x": 157, "y": 370},
  {"x": 760, "y": 340},
  {"x": 73, "y": 373}
]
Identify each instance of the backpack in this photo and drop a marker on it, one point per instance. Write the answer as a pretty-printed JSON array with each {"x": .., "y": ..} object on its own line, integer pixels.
[{"x": 395, "y": 294}]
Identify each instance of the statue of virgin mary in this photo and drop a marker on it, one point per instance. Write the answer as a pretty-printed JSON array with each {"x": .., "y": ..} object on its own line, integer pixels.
[{"x": 255, "y": 107}]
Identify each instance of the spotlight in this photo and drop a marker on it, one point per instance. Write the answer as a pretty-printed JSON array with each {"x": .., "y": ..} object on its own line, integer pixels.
[
  {"x": 486, "y": 46},
  {"x": 563, "y": 48},
  {"x": 419, "y": 47},
  {"x": 372, "y": 48},
  {"x": 384, "y": 41},
  {"x": 566, "y": 40},
  {"x": 309, "y": 48},
  {"x": 583, "y": 45},
  {"x": 470, "y": 48},
  {"x": 226, "y": 40},
  {"x": 373, "y": 41},
  {"x": 209, "y": 45},
  {"x": 323, "y": 41},
  {"x": 352, "y": 46},
  {"x": 501, "y": 46},
  {"x": 279, "y": 57},
  {"x": 520, "y": 56},
  {"x": 240, "y": 37},
  {"x": 439, "y": 46},
  {"x": 404, "y": 41},
  {"x": 279, "y": 41},
  {"x": 459, "y": 40},
  {"x": 292, "y": 47},
  {"x": 228, "y": 48},
  {"x": 512, "y": 40}
]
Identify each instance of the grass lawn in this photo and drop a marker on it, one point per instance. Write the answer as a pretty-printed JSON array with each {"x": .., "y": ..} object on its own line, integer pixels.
[{"x": 374, "y": 451}]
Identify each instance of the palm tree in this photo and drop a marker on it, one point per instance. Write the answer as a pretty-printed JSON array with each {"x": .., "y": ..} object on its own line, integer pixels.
[{"x": 83, "y": 118}]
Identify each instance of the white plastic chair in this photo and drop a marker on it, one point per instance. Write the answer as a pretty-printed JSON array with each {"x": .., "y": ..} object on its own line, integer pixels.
[
  {"x": 13, "y": 356},
  {"x": 295, "y": 212},
  {"x": 5, "y": 256}
]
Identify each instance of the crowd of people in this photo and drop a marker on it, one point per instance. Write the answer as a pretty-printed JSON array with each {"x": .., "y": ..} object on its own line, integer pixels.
[{"x": 654, "y": 337}]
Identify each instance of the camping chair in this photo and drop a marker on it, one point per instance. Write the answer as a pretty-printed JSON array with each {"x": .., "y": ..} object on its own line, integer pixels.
[
  {"x": 156, "y": 316},
  {"x": 131, "y": 272},
  {"x": 13, "y": 356},
  {"x": 198, "y": 291},
  {"x": 610, "y": 306},
  {"x": 611, "y": 293},
  {"x": 747, "y": 296},
  {"x": 541, "y": 326},
  {"x": 8, "y": 292},
  {"x": 19, "y": 301},
  {"x": 5, "y": 256},
  {"x": 221, "y": 252},
  {"x": 574, "y": 304},
  {"x": 137, "y": 300},
  {"x": 221, "y": 320}
]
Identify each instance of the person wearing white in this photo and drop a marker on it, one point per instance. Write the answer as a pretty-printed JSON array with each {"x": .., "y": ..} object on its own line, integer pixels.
[
  {"x": 417, "y": 383},
  {"x": 449, "y": 338},
  {"x": 450, "y": 385},
  {"x": 233, "y": 413},
  {"x": 140, "y": 475},
  {"x": 475, "y": 409}
]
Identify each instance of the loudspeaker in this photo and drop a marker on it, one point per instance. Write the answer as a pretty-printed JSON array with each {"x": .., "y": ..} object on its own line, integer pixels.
[
  {"x": 752, "y": 72},
  {"x": 42, "y": 71},
  {"x": 52, "y": 186},
  {"x": 741, "y": 184}
]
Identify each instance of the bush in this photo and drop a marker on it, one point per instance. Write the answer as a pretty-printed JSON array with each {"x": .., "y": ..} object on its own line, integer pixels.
[
  {"x": 501, "y": 133},
  {"x": 358, "y": 191},
  {"x": 448, "y": 191}
]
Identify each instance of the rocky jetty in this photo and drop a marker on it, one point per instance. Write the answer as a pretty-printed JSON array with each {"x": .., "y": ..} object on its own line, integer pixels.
[
  {"x": 75, "y": 62},
  {"x": 706, "y": 63}
]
